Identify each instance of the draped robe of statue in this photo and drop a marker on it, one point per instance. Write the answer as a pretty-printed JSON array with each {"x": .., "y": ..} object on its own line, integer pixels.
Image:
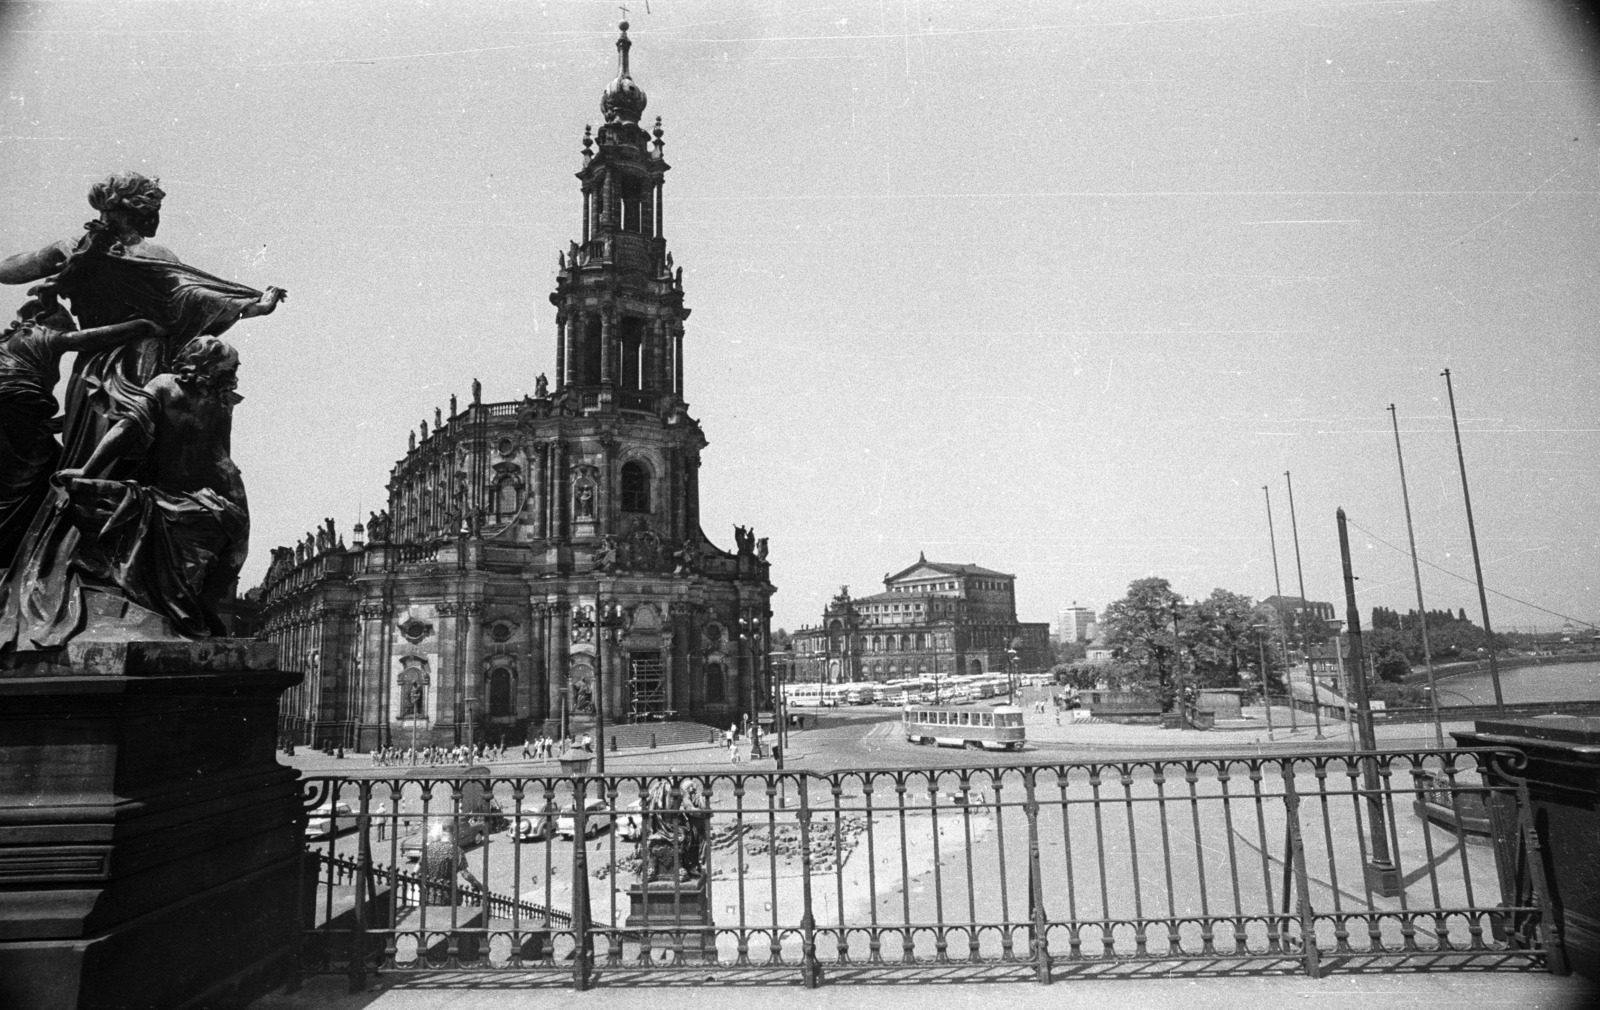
[
  {"x": 42, "y": 597},
  {"x": 29, "y": 452}
]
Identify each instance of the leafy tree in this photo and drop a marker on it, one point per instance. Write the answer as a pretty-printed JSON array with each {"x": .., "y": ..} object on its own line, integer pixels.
[
  {"x": 1218, "y": 638},
  {"x": 1387, "y": 647},
  {"x": 1139, "y": 627}
]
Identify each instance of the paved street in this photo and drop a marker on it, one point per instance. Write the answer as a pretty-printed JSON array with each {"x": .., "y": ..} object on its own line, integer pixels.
[{"x": 1134, "y": 988}]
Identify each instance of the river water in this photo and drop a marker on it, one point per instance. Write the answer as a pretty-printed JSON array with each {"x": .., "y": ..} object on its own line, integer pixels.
[{"x": 1556, "y": 682}]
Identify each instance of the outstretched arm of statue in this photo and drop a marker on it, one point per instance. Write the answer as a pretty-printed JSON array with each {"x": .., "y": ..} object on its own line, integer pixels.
[
  {"x": 101, "y": 337},
  {"x": 269, "y": 301},
  {"x": 123, "y": 437},
  {"x": 26, "y": 267}
]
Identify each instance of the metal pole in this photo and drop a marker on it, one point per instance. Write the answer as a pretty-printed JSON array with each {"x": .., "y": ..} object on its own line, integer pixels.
[
  {"x": 1381, "y": 874},
  {"x": 780, "y": 706},
  {"x": 1305, "y": 645},
  {"x": 1277, "y": 587},
  {"x": 600, "y": 632},
  {"x": 1477, "y": 565},
  {"x": 1416, "y": 575},
  {"x": 1265, "y": 694}
]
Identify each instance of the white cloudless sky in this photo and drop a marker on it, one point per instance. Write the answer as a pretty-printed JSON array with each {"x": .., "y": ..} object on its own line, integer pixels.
[{"x": 1050, "y": 288}]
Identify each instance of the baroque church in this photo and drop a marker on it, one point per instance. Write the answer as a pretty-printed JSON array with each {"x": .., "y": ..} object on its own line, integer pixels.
[{"x": 541, "y": 558}]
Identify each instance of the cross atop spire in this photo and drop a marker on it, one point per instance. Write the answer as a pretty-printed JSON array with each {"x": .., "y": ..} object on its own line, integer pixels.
[{"x": 623, "y": 100}]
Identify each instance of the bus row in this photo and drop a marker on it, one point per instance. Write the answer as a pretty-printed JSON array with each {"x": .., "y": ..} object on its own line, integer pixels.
[{"x": 898, "y": 693}]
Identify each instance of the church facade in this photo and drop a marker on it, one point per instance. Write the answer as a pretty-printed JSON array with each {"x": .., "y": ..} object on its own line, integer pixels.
[
  {"x": 932, "y": 619},
  {"x": 541, "y": 558}
]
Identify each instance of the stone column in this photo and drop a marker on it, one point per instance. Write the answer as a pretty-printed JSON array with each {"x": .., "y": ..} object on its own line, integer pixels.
[
  {"x": 542, "y": 483},
  {"x": 607, "y": 510},
  {"x": 563, "y": 503},
  {"x": 563, "y": 338},
  {"x": 368, "y": 706},
  {"x": 677, "y": 361},
  {"x": 472, "y": 667},
  {"x": 534, "y": 690},
  {"x": 608, "y": 355},
  {"x": 692, "y": 495},
  {"x": 448, "y": 708}
]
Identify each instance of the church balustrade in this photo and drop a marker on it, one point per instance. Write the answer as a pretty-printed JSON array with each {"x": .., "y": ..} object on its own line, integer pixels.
[{"x": 628, "y": 400}]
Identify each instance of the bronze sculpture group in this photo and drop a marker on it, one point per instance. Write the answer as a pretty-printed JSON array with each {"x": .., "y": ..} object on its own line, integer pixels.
[{"x": 139, "y": 508}]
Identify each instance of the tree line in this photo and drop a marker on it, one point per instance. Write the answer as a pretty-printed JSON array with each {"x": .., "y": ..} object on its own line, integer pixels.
[{"x": 1163, "y": 645}]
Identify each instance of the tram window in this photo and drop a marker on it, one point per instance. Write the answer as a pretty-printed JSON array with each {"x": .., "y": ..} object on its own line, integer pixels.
[{"x": 988, "y": 719}]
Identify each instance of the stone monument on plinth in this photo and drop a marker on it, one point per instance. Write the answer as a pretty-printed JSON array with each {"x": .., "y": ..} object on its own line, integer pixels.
[
  {"x": 670, "y": 906},
  {"x": 149, "y": 839}
]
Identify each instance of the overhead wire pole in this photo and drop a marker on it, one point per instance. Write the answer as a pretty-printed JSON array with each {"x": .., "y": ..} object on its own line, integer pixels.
[
  {"x": 1305, "y": 644},
  {"x": 1277, "y": 586},
  {"x": 1416, "y": 575},
  {"x": 1477, "y": 565}
]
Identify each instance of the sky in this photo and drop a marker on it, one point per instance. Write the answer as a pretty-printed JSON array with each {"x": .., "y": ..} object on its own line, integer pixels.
[{"x": 1053, "y": 289}]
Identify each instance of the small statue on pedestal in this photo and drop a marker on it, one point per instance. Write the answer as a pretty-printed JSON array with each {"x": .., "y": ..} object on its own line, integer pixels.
[{"x": 674, "y": 828}]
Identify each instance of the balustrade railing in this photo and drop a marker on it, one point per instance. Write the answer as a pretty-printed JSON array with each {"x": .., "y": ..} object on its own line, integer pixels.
[{"x": 1309, "y": 861}]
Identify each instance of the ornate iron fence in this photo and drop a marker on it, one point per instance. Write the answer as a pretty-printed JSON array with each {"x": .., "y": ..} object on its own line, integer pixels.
[{"x": 1277, "y": 862}]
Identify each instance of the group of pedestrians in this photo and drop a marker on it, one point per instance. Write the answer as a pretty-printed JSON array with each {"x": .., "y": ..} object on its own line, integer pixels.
[
  {"x": 543, "y": 748},
  {"x": 459, "y": 755},
  {"x": 739, "y": 744},
  {"x": 1061, "y": 701}
]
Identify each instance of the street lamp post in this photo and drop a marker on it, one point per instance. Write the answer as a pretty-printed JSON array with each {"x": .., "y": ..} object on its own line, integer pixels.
[
  {"x": 780, "y": 705},
  {"x": 608, "y": 618},
  {"x": 747, "y": 627},
  {"x": 1013, "y": 667}
]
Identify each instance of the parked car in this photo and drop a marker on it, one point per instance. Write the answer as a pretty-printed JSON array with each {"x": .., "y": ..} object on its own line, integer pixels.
[
  {"x": 596, "y": 820},
  {"x": 330, "y": 819},
  {"x": 537, "y": 824}
]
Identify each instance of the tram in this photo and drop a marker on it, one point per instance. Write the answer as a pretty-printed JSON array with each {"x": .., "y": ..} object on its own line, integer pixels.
[{"x": 997, "y": 728}]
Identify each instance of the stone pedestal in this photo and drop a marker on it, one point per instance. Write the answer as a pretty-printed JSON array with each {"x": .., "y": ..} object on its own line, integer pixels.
[
  {"x": 149, "y": 839},
  {"x": 680, "y": 911},
  {"x": 1563, "y": 776}
]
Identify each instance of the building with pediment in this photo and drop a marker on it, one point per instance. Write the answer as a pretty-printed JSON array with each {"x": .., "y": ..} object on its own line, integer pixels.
[
  {"x": 932, "y": 619},
  {"x": 541, "y": 557}
]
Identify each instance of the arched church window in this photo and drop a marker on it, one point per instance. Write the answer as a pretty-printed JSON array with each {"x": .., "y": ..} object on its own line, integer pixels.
[
  {"x": 500, "y": 691},
  {"x": 632, "y": 352},
  {"x": 635, "y": 487},
  {"x": 632, "y": 205},
  {"x": 590, "y": 358},
  {"x": 714, "y": 692}
]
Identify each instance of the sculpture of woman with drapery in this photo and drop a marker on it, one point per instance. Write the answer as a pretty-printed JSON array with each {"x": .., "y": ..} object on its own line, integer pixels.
[{"x": 110, "y": 275}]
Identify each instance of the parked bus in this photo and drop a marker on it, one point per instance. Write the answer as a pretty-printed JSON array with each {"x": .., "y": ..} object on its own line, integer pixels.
[
  {"x": 815, "y": 695},
  {"x": 997, "y": 728},
  {"x": 861, "y": 694}
]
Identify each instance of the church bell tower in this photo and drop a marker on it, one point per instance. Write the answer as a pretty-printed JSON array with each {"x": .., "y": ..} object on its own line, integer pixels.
[{"x": 618, "y": 297}]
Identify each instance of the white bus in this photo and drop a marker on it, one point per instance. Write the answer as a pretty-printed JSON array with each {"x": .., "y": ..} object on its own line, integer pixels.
[{"x": 814, "y": 695}]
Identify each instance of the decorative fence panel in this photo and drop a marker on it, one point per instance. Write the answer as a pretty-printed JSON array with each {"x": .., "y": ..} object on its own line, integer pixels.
[{"x": 1286, "y": 862}]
